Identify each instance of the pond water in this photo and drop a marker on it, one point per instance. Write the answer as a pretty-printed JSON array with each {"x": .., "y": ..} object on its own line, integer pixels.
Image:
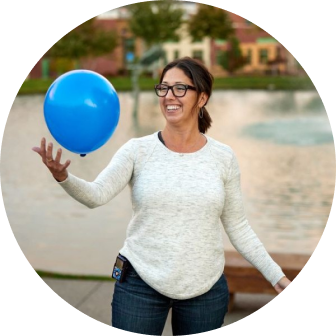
[{"x": 284, "y": 146}]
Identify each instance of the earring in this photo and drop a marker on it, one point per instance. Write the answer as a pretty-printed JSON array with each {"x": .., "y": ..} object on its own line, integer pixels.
[{"x": 201, "y": 113}]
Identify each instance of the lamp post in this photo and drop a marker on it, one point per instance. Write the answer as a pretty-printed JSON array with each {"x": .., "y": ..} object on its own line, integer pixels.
[{"x": 123, "y": 48}]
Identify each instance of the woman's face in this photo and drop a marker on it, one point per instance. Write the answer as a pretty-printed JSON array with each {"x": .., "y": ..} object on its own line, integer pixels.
[{"x": 178, "y": 110}]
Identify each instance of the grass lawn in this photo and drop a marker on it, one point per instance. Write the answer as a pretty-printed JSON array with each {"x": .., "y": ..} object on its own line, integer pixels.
[
  {"x": 61, "y": 276},
  {"x": 40, "y": 86}
]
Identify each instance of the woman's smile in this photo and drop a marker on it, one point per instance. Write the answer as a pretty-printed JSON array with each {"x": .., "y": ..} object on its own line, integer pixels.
[{"x": 172, "y": 108}]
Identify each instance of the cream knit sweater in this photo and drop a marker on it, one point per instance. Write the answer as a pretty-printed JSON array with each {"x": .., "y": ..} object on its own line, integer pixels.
[{"x": 181, "y": 202}]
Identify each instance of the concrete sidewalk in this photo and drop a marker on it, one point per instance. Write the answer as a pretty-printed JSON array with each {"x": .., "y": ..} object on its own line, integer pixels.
[{"x": 93, "y": 298}]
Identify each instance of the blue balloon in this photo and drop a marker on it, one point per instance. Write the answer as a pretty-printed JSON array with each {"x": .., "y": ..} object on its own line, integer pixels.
[{"x": 81, "y": 110}]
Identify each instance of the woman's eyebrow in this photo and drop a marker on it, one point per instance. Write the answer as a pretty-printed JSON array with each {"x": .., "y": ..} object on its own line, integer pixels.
[{"x": 174, "y": 83}]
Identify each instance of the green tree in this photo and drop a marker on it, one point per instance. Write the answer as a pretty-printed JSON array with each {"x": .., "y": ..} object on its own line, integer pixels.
[
  {"x": 155, "y": 21},
  {"x": 210, "y": 22},
  {"x": 86, "y": 40},
  {"x": 215, "y": 23},
  {"x": 232, "y": 59}
]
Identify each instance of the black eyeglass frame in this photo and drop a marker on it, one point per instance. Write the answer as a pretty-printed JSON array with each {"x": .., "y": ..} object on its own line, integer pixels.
[{"x": 171, "y": 87}]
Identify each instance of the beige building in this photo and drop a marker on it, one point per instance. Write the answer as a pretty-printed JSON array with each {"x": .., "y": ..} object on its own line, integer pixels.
[
  {"x": 186, "y": 47},
  {"x": 264, "y": 54}
]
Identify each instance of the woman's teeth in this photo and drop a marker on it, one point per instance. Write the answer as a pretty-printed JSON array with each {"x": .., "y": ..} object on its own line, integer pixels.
[{"x": 172, "y": 107}]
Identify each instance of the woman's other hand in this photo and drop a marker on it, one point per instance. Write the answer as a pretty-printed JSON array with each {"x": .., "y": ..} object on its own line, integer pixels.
[{"x": 282, "y": 284}]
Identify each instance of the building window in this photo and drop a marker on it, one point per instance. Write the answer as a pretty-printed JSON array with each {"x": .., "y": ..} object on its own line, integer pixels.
[
  {"x": 176, "y": 54},
  {"x": 219, "y": 56},
  {"x": 129, "y": 44},
  {"x": 263, "y": 56},
  {"x": 248, "y": 56},
  {"x": 198, "y": 54},
  {"x": 128, "y": 50}
]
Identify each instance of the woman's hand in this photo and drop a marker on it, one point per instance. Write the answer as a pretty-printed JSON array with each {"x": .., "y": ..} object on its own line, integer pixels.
[
  {"x": 282, "y": 284},
  {"x": 58, "y": 170}
]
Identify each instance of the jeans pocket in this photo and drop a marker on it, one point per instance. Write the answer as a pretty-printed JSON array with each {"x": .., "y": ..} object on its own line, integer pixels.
[{"x": 131, "y": 272}]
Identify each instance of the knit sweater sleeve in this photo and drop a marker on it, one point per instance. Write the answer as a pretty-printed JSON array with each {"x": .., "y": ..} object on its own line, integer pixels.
[
  {"x": 111, "y": 181},
  {"x": 240, "y": 233}
]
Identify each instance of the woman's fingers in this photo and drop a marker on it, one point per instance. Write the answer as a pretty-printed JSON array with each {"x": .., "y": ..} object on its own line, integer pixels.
[
  {"x": 37, "y": 150},
  {"x": 55, "y": 166},
  {"x": 58, "y": 163},
  {"x": 49, "y": 157},
  {"x": 58, "y": 156},
  {"x": 43, "y": 144},
  {"x": 40, "y": 150},
  {"x": 66, "y": 164}
]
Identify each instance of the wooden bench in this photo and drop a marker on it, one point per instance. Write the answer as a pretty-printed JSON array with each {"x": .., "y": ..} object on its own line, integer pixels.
[{"x": 242, "y": 277}]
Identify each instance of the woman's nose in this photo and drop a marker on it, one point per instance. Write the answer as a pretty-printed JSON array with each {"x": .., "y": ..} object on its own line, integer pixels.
[{"x": 170, "y": 94}]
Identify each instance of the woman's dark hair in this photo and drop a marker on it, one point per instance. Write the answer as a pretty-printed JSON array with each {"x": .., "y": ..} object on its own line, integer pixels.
[{"x": 201, "y": 78}]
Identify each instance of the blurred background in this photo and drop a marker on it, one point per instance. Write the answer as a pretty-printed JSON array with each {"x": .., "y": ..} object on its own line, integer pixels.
[
  {"x": 264, "y": 106},
  {"x": 149, "y": 34}
]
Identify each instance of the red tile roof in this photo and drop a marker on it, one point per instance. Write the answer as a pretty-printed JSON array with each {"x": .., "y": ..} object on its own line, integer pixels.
[{"x": 245, "y": 30}]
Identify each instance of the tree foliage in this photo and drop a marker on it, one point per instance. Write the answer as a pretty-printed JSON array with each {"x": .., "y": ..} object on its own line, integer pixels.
[
  {"x": 155, "y": 21},
  {"x": 232, "y": 59},
  {"x": 84, "y": 41},
  {"x": 210, "y": 22}
]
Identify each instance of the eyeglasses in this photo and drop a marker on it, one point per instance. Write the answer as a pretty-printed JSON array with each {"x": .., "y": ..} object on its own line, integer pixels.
[{"x": 179, "y": 90}]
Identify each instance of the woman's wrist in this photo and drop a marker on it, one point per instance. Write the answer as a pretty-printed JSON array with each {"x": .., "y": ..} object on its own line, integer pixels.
[{"x": 60, "y": 178}]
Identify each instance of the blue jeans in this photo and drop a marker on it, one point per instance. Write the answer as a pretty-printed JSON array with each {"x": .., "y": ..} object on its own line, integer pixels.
[{"x": 138, "y": 308}]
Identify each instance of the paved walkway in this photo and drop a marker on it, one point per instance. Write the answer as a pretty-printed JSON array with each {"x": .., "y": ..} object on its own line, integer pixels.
[{"x": 93, "y": 298}]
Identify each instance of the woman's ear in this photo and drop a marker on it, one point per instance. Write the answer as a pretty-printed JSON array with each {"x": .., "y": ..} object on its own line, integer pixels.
[{"x": 203, "y": 99}]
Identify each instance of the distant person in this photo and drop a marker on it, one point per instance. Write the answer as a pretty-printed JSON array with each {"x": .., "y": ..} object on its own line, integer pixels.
[{"x": 184, "y": 187}]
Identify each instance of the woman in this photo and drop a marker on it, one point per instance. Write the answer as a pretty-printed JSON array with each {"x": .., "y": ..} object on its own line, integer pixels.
[{"x": 183, "y": 184}]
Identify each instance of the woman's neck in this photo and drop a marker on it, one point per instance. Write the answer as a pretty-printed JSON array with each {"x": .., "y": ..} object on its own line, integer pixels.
[{"x": 183, "y": 141}]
